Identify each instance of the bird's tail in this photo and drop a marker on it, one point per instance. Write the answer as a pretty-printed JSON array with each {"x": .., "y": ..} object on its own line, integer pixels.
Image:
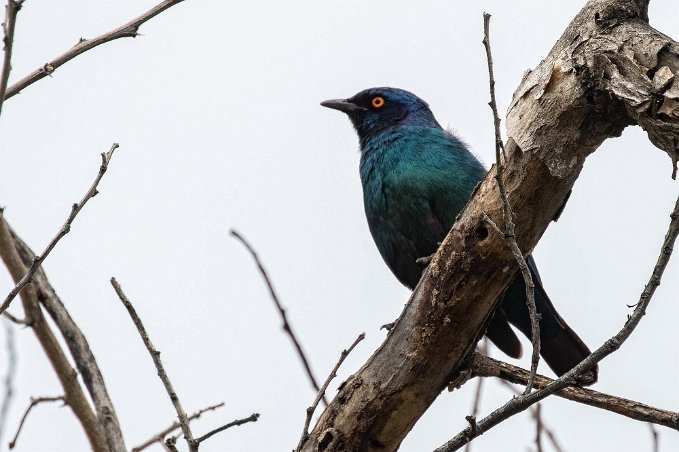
[{"x": 560, "y": 347}]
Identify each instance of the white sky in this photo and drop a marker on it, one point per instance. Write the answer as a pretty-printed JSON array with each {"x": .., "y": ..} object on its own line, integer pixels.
[{"x": 216, "y": 111}]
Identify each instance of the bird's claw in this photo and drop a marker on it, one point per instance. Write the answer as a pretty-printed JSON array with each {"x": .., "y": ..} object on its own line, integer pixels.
[{"x": 425, "y": 260}]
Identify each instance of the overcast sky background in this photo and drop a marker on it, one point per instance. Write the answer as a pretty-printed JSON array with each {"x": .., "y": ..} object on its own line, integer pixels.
[{"x": 216, "y": 109}]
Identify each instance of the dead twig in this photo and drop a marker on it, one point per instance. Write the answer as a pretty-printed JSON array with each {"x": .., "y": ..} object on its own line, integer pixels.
[
  {"x": 537, "y": 416},
  {"x": 14, "y": 319},
  {"x": 65, "y": 229},
  {"x": 484, "y": 366},
  {"x": 483, "y": 349},
  {"x": 128, "y": 30},
  {"x": 252, "y": 418},
  {"x": 160, "y": 436},
  {"x": 11, "y": 10},
  {"x": 538, "y": 427},
  {"x": 655, "y": 436},
  {"x": 507, "y": 214},
  {"x": 518, "y": 404},
  {"x": 34, "y": 401},
  {"x": 155, "y": 355},
  {"x": 333, "y": 374},
  {"x": 10, "y": 342},
  {"x": 281, "y": 310}
]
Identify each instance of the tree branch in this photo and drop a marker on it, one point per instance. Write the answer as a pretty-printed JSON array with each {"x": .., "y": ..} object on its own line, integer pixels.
[
  {"x": 128, "y": 30},
  {"x": 507, "y": 214},
  {"x": 158, "y": 437},
  {"x": 518, "y": 404},
  {"x": 562, "y": 111},
  {"x": 30, "y": 297},
  {"x": 65, "y": 229},
  {"x": 281, "y": 310},
  {"x": 252, "y": 418},
  {"x": 10, "y": 376},
  {"x": 482, "y": 349},
  {"x": 11, "y": 10},
  {"x": 78, "y": 345},
  {"x": 155, "y": 355},
  {"x": 34, "y": 402},
  {"x": 484, "y": 366}
]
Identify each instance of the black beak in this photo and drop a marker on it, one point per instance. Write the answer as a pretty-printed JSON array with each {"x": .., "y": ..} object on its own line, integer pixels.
[{"x": 342, "y": 105}]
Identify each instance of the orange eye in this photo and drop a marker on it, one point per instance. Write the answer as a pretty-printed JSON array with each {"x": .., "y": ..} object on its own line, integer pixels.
[{"x": 377, "y": 102}]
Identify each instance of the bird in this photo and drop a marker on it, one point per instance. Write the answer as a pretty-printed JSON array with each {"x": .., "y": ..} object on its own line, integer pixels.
[{"x": 417, "y": 177}]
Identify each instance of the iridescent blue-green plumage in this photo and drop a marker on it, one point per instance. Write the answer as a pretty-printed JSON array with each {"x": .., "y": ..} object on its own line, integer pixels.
[{"x": 416, "y": 178}]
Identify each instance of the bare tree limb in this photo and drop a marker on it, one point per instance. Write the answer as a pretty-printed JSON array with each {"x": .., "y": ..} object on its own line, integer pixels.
[
  {"x": 252, "y": 418},
  {"x": 68, "y": 377},
  {"x": 484, "y": 366},
  {"x": 155, "y": 355},
  {"x": 507, "y": 214},
  {"x": 594, "y": 83},
  {"x": 518, "y": 404},
  {"x": 10, "y": 342},
  {"x": 128, "y": 30},
  {"x": 281, "y": 310},
  {"x": 34, "y": 402},
  {"x": 333, "y": 374},
  {"x": 65, "y": 229},
  {"x": 160, "y": 436},
  {"x": 11, "y": 10}
]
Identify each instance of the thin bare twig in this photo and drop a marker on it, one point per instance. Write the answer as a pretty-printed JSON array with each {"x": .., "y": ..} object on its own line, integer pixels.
[
  {"x": 11, "y": 10},
  {"x": 128, "y": 30},
  {"x": 155, "y": 355},
  {"x": 10, "y": 342},
  {"x": 15, "y": 319},
  {"x": 65, "y": 229},
  {"x": 537, "y": 416},
  {"x": 252, "y": 418},
  {"x": 281, "y": 310},
  {"x": 538, "y": 427},
  {"x": 507, "y": 214},
  {"x": 518, "y": 404},
  {"x": 34, "y": 401},
  {"x": 160, "y": 436},
  {"x": 333, "y": 374},
  {"x": 484, "y": 366},
  {"x": 483, "y": 349},
  {"x": 655, "y": 436}
]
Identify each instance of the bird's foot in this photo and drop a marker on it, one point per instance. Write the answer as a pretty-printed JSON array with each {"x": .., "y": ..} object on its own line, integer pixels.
[
  {"x": 586, "y": 378},
  {"x": 425, "y": 260},
  {"x": 388, "y": 326}
]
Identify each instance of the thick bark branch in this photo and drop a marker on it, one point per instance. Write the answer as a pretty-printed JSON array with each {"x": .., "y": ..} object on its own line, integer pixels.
[{"x": 598, "y": 79}]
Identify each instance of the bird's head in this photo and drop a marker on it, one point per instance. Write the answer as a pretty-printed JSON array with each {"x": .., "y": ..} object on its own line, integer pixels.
[{"x": 375, "y": 109}]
